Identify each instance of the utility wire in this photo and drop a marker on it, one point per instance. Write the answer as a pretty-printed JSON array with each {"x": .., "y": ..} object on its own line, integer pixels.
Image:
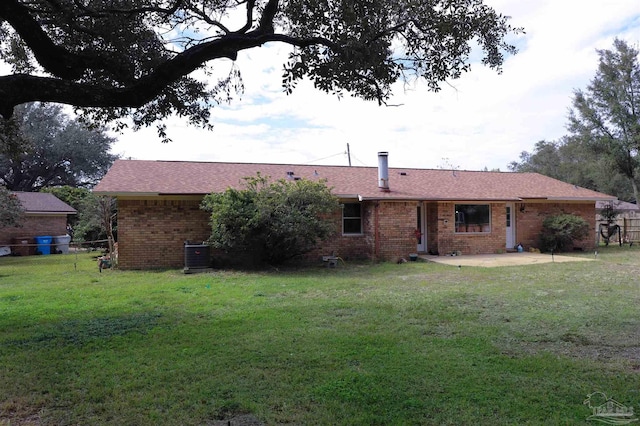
[
  {"x": 331, "y": 156},
  {"x": 358, "y": 160}
]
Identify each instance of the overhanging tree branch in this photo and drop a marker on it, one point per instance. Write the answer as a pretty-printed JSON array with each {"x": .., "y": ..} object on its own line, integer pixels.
[
  {"x": 53, "y": 58},
  {"x": 20, "y": 88},
  {"x": 134, "y": 58}
]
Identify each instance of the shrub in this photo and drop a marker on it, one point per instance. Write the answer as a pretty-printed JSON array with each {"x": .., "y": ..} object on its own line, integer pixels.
[
  {"x": 270, "y": 222},
  {"x": 560, "y": 231}
]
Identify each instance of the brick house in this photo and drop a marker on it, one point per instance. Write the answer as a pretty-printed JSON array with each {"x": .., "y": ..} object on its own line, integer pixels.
[
  {"x": 44, "y": 214},
  {"x": 386, "y": 213}
]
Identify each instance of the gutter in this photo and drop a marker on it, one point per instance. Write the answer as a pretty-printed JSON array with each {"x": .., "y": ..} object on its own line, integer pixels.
[
  {"x": 422, "y": 198},
  {"x": 594, "y": 199},
  {"x": 49, "y": 213}
]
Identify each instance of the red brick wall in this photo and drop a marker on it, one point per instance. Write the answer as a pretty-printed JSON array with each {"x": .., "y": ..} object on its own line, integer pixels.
[
  {"x": 151, "y": 233},
  {"x": 529, "y": 221},
  {"x": 470, "y": 243},
  {"x": 32, "y": 226},
  {"x": 528, "y": 227},
  {"x": 347, "y": 247},
  {"x": 396, "y": 230},
  {"x": 396, "y": 222}
]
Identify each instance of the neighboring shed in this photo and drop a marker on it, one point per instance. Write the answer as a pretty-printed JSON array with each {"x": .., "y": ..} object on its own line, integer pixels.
[
  {"x": 44, "y": 215},
  {"x": 386, "y": 213}
]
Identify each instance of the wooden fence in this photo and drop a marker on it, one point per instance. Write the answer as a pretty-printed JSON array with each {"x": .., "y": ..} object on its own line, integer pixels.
[{"x": 629, "y": 231}]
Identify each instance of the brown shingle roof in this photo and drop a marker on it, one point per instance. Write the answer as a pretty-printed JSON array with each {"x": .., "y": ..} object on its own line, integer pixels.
[
  {"x": 43, "y": 202},
  {"x": 136, "y": 177}
]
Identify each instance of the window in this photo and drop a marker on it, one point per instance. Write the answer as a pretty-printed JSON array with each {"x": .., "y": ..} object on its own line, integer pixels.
[
  {"x": 352, "y": 218},
  {"x": 473, "y": 218}
]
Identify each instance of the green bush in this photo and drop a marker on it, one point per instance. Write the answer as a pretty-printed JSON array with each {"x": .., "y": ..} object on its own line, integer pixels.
[
  {"x": 560, "y": 231},
  {"x": 270, "y": 222}
]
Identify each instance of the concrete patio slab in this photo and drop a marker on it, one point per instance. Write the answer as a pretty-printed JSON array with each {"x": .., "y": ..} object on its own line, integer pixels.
[{"x": 506, "y": 259}]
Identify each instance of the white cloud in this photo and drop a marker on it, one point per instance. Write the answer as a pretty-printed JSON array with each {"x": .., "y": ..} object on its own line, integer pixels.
[{"x": 482, "y": 120}]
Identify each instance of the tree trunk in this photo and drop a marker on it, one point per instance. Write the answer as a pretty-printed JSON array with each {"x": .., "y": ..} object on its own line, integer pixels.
[{"x": 634, "y": 185}]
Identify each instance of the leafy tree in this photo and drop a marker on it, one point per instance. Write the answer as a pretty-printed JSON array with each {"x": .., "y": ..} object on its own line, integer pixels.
[
  {"x": 606, "y": 116},
  {"x": 76, "y": 198},
  {"x": 11, "y": 211},
  {"x": 44, "y": 147},
  {"x": 271, "y": 222},
  {"x": 135, "y": 58},
  {"x": 571, "y": 160},
  {"x": 560, "y": 231},
  {"x": 96, "y": 220}
]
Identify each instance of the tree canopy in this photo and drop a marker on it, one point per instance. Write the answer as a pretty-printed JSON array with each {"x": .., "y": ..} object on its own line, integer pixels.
[
  {"x": 601, "y": 150},
  {"x": 135, "y": 58},
  {"x": 606, "y": 115},
  {"x": 41, "y": 146},
  {"x": 570, "y": 160},
  {"x": 11, "y": 211}
]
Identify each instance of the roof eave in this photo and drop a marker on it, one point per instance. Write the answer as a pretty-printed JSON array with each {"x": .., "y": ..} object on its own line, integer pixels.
[
  {"x": 594, "y": 199},
  {"x": 126, "y": 194},
  {"x": 441, "y": 199},
  {"x": 48, "y": 213}
]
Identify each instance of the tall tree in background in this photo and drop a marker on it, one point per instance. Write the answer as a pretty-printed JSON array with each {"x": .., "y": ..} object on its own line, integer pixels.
[
  {"x": 44, "y": 147},
  {"x": 545, "y": 159},
  {"x": 570, "y": 160},
  {"x": 606, "y": 116},
  {"x": 135, "y": 58}
]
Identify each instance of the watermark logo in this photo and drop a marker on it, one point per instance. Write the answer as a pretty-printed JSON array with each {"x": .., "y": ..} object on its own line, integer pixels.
[{"x": 608, "y": 411}]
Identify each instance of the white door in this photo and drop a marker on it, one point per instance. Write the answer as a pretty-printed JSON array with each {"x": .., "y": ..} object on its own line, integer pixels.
[
  {"x": 421, "y": 229},
  {"x": 511, "y": 226}
]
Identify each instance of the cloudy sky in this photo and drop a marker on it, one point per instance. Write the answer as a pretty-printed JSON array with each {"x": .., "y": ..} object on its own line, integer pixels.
[{"x": 483, "y": 120}]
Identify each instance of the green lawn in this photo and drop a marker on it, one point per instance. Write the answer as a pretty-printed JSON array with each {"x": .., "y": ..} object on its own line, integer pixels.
[{"x": 361, "y": 344}]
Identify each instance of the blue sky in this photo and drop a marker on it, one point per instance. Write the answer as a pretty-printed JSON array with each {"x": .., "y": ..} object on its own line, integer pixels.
[{"x": 482, "y": 120}]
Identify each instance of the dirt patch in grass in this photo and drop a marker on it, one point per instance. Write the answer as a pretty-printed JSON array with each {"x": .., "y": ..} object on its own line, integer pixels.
[
  {"x": 624, "y": 349},
  {"x": 240, "y": 420},
  {"x": 18, "y": 412}
]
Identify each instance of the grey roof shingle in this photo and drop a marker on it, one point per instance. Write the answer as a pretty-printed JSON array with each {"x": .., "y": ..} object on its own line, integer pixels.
[
  {"x": 140, "y": 177},
  {"x": 43, "y": 202}
]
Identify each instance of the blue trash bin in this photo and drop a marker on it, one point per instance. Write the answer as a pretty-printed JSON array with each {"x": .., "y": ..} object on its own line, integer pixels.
[{"x": 43, "y": 243}]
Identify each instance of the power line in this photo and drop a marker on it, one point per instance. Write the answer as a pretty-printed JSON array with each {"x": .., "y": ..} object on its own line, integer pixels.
[
  {"x": 331, "y": 156},
  {"x": 359, "y": 161}
]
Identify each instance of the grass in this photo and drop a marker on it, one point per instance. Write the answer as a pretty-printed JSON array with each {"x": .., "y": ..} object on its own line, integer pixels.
[{"x": 416, "y": 343}]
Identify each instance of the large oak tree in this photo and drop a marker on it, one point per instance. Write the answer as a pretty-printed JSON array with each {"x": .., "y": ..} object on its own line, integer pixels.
[
  {"x": 136, "y": 58},
  {"x": 42, "y": 146}
]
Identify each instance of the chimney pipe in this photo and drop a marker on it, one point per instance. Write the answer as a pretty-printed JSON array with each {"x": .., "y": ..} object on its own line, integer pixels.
[{"x": 383, "y": 171}]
